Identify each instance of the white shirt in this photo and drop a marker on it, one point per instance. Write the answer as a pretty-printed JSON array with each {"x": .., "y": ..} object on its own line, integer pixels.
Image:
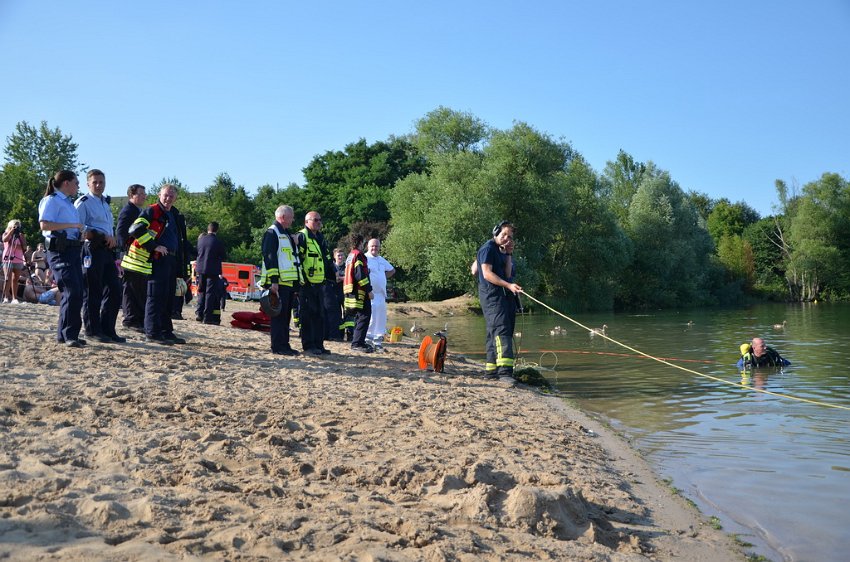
[{"x": 378, "y": 268}]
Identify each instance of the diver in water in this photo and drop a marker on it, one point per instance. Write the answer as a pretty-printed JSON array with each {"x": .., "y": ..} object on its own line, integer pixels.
[{"x": 759, "y": 354}]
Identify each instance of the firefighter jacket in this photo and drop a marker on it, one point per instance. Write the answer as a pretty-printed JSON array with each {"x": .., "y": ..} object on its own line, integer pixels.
[
  {"x": 315, "y": 257},
  {"x": 281, "y": 263},
  {"x": 355, "y": 284},
  {"x": 145, "y": 231}
]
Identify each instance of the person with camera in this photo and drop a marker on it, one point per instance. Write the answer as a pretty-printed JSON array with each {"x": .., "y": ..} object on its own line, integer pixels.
[
  {"x": 496, "y": 291},
  {"x": 14, "y": 262},
  {"x": 102, "y": 289},
  {"x": 60, "y": 224}
]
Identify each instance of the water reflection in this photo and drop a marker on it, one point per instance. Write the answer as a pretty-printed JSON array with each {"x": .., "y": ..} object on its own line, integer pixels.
[{"x": 772, "y": 469}]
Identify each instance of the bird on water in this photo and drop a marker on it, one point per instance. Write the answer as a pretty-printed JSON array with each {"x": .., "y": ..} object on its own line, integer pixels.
[{"x": 599, "y": 331}]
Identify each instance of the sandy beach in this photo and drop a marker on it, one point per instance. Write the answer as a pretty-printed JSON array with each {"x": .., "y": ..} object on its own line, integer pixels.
[{"x": 219, "y": 450}]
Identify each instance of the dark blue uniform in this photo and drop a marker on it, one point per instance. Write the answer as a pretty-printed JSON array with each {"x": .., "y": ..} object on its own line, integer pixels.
[
  {"x": 279, "y": 325},
  {"x": 185, "y": 251},
  {"x": 499, "y": 307},
  {"x": 208, "y": 268},
  {"x": 311, "y": 295},
  {"x": 135, "y": 284},
  {"x": 162, "y": 283},
  {"x": 102, "y": 289},
  {"x": 65, "y": 263}
]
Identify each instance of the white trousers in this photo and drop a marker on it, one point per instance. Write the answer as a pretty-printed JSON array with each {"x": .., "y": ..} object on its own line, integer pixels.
[{"x": 378, "y": 323}]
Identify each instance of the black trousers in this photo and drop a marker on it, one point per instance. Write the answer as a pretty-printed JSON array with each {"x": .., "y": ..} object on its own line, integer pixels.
[
  {"x": 209, "y": 299},
  {"x": 162, "y": 284},
  {"x": 312, "y": 316},
  {"x": 280, "y": 324},
  {"x": 133, "y": 301},
  {"x": 361, "y": 323},
  {"x": 101, "y": 293},
  {"x": 333, "y": 312},
  {"x": 67, "y": 267}
]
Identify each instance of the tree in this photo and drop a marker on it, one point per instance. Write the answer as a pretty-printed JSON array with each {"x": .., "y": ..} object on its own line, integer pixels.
[
  {"x": 43, "y": 150},
  {"x": 769, "y": 257},
  {"x": 818, "y": 237},
  {"x": 354, "y": 185},
  {"x": 20, "y": 193},
  {"x": 589, "y": 249},
  {"x": 730, "y": 219},
  {"x": 33, "y": 155},
  {"x": 439, "y": 221},
  {"x": 701, "y": 202},
  {"x": 445, "y": 130},
  {"x": 436, "y": 226},
  {"x": 524, "y": 180},
  {"x": 736, "y": 255},
  {"x": 621, "y": 179},
  {"x": 672, "y": 258}
]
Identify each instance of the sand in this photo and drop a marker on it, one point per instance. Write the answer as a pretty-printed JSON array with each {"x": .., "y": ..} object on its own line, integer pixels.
[{"x": 219, "y": 450}]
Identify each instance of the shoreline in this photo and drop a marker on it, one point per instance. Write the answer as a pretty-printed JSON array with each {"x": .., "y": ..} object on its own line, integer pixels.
[{"x": 218, "y": 449}]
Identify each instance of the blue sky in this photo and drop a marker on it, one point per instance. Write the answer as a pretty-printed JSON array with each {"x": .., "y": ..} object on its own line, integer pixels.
[{"x": 728, "y": 96}]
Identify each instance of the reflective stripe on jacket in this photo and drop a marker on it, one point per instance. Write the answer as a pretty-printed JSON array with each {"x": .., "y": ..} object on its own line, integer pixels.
[
  {"x": 312, "y": 260},
  {"x": 355, "y": 284},
  {"x": 287, "y": 270},
  {"x": 141, "y": 252}
]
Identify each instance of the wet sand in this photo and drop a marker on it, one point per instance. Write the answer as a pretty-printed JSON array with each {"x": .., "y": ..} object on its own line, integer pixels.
[{"x": 219, "y": 450}]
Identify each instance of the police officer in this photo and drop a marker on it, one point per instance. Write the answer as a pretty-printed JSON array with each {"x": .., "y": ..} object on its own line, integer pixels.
[
  {"x": 60, "y": 224},
  {"x": 134, "y": 282},
  {"x": 318, "y": 269},
  {"x": 208, "y": 269},
  {"x": 498, "y": 302},
  {"x": 102, "y": 289},
  {"x": 281, "y": 275}
]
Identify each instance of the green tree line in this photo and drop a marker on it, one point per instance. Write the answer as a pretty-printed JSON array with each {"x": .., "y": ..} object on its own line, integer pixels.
[{"x": 626, "y": 237}]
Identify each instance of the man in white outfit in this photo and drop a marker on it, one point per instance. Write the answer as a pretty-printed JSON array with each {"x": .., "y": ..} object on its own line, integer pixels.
[{"x": 379, "y": 271}]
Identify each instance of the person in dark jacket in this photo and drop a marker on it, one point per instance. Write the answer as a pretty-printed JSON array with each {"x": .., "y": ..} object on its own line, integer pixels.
[
  {"x": 496, "y": 293},
  {"x": 281, "y": 275},
  {"x": 134, "y": 282},
  {"x": 102, "y": 289},
  {"x": 208, "y": 270},
  {"x": 358, "y": 294},
  {"x": 183, "y": 271},
  {"x": 759, "y": 354},
  {"x": 158, "y": 250},
  {"x": 318, "y": 270}
]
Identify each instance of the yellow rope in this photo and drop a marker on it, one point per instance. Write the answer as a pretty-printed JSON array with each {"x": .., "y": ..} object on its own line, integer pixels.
[{"x": 741, "y": 385}]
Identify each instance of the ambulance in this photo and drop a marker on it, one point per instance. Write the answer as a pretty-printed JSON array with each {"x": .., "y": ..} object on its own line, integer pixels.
[{"x": 242, "y": 280}]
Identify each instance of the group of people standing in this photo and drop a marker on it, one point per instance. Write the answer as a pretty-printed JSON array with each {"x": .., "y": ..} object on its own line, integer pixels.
[
  {"x": 25, "y": 273},
  {"x": 298, "y": 268},
  {"x": 82, "y": 244}
]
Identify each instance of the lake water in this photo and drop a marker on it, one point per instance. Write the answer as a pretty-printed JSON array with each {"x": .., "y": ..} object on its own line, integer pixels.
[{"x": 775, "y": 471}]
